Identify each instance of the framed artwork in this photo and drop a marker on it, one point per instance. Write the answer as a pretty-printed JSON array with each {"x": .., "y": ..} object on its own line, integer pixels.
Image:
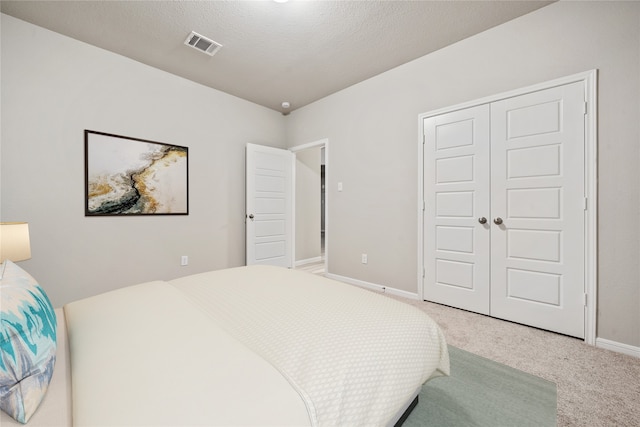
[{"x": 131, "y": 176}]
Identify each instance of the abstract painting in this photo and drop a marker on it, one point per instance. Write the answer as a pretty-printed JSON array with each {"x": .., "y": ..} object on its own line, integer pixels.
[{"x": 131, "y": 176}]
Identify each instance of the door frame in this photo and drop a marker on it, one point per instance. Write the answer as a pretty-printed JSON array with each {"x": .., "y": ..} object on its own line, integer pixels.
[
  {"x": 589, "y": 80},
  {"x": 322, "y": 143}
]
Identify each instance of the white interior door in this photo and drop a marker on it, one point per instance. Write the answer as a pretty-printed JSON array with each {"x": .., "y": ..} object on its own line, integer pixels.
[
  {"x": 456, "y": 186},
  {"x": 269, "y": 205},
  {"x": 537, "y": 253}
]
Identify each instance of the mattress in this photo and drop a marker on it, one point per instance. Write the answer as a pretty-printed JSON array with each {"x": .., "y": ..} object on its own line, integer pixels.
[{"x": 255, "y": 345}]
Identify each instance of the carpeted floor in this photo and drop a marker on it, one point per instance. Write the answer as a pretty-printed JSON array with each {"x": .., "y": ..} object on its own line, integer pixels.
[{"x": 595, "y": 387}]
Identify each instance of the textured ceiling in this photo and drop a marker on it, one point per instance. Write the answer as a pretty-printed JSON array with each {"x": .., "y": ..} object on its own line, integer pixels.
[{"x": 298, "y": 51}]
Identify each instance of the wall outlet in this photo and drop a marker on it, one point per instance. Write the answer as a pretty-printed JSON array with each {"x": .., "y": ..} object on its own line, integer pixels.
[
  {"x": 364, "y": 258},
  {"x": 184, "y": 260}
]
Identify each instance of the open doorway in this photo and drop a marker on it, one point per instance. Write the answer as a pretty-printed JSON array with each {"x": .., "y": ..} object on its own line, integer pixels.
[{"x": 310, "y": 207}]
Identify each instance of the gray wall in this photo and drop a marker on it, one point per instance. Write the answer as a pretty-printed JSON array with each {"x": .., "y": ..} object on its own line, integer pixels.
[
  {"x": 373, "y": 129},
  {"x": 53, "y": 88},
  {"x": 308, "y": 244}
]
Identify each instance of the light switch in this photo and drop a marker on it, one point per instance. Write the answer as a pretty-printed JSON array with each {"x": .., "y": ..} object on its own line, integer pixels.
[{"x": 339, "y": 186}]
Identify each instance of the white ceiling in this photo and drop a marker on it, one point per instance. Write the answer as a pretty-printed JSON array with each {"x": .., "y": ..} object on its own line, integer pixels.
[{"x": 298, "y": 51}]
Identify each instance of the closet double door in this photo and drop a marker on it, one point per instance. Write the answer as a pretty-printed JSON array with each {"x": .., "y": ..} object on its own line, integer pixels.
[{"x": 505, "y": 208}]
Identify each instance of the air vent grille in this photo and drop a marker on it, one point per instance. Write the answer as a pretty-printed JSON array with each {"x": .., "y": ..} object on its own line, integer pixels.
[{"x": 202, "y": 43}]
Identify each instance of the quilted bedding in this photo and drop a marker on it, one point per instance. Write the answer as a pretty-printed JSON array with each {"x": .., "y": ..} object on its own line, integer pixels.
[{"x": 253, "y": 345}]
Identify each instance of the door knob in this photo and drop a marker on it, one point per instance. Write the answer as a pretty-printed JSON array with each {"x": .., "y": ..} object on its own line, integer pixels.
[
  {"x": 497, "y": 221},
  {"x": 482, "y": 220},
  {"x": 251, "y": 217}
]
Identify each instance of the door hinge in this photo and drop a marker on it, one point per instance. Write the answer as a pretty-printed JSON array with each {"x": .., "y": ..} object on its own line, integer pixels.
[
  {"x": 584, "y": 109},
  {"x": 585, "y": 203},
  {"x": 585, "y": 300},
  {"x": 423, "y": 273},
  {"x": 424, "y": 206},
  {"x": 424, "y": 139}
]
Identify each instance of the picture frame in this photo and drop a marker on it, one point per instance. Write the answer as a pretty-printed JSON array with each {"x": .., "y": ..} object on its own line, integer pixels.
[{"x": 131, "y": 176}]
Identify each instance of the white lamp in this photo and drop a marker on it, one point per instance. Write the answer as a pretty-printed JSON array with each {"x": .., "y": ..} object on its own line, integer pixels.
[{"x": 14, "y": 243}]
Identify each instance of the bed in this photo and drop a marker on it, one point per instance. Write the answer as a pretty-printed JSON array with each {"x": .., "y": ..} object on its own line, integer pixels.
[{"x": 256, "y": 345}]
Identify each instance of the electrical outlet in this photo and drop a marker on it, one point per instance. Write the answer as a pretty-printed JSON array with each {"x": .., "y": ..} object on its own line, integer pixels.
[
  {"x": 184, "y": 260},
  {"x": 364, "y": 258}
]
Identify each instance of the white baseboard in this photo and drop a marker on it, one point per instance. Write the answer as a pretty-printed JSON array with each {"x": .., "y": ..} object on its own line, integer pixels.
[
  {"x": 600, "y": 342},
  {"x": 374, "y": 287},
  {"x": 308, "y": 261},
  {"x": 618, "y": 347}
]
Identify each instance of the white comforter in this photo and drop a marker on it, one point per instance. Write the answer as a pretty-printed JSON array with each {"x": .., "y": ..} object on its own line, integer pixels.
[{"x": 248, "y": 346}]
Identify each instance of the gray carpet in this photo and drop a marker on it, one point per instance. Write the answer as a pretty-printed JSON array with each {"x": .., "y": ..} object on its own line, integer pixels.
[{"x": 481, "y": 392}]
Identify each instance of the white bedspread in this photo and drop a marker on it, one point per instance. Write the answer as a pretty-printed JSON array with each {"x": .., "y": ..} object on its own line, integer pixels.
[
  {"x": 146, "y": 356},
  {"x": 354, "y": 356},
  {"x": 248, "y": 346}
]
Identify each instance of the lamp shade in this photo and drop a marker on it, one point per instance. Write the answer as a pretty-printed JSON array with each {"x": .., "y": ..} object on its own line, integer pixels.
[{"x": 14, "y": 241}]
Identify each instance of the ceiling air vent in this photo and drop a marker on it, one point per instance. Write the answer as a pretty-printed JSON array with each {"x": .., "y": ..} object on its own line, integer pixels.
[{"x": 202, "y": 43}]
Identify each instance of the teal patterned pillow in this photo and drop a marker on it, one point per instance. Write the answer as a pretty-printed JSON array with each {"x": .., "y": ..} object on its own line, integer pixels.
[{"x": 27, "y": 343}]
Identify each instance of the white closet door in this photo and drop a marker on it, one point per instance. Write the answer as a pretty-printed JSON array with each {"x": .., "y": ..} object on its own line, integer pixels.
[
  {"x": 456, "y": 187},
  {"x": 537, "y": 175}
]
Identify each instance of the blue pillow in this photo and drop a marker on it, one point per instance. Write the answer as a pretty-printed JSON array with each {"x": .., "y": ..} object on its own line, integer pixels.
[{"x": 27, "y": 343}]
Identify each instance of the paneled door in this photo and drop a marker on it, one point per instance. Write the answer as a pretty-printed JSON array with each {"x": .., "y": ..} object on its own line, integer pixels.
[
  {"x": 504, "y": 219},
  {"x": 456, "y": 217},
  {"x": 269, "y": 206},
  {"x": 537, "y": 252}
]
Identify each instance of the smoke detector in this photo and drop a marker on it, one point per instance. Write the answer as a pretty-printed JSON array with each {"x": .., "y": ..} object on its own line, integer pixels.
[{"x": 203, "y": 44}]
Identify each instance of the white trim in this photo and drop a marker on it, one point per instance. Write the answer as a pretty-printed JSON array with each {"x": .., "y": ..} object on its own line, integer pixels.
[
  {"x": 292, "y": 212},
  {"x": 421, "y": 202},
  {"x": 320, "y": 143},
  {"x": 374, "y": 287},
  {"x": 401, "y": 293},
  {"x": 591, "y": 219},
  {"x": 579, "y": 77},
  {"x": 618, "y": 347},
  {"x": 589, "y": 79},
  {"x": 308, "y": 261}
]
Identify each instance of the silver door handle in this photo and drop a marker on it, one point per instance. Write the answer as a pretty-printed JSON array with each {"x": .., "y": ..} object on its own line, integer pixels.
[
  {"x": 482, "y": 220},
  {"x": 497, "y": 221},
  {"x": 251, "y": 217}
]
